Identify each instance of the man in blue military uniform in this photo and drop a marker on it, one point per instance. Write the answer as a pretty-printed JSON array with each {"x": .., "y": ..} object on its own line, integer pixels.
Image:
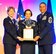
[{"x": 46, "y": 30}]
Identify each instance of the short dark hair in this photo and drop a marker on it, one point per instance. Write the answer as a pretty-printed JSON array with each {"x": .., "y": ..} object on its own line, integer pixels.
[
  {"x": 42, "y": 3},
  {"x": 10, "y": 8},
  {"x": 27, "y": 10}
]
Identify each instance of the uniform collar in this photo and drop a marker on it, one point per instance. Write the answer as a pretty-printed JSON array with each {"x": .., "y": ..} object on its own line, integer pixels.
[
  {"x": 27, "y": 20},
  {"x": 10, "y": 18}
]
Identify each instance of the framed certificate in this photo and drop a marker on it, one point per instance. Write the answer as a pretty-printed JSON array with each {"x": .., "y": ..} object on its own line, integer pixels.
[{"x": 28, "y": 34}]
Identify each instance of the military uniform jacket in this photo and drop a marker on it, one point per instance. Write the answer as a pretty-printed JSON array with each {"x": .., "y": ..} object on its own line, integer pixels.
[
  {"x": 46, "y": 28},
  {"x": 10, "y": 31}
]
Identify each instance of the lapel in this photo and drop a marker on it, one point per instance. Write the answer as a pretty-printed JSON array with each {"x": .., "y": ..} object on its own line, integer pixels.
[
  {"x": 43, "y": 16},
  {"x": 24, "y": 22},
  {"x": 10, "y": 21}
]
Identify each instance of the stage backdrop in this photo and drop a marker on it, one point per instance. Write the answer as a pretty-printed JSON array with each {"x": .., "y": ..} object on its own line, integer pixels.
[{"x": 20, "y": 7}]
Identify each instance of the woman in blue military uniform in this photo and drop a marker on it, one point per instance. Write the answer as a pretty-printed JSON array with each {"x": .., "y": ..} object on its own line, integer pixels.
[
  {"x": 28, "y": 46},
  {"x": 10, "y": 32}
]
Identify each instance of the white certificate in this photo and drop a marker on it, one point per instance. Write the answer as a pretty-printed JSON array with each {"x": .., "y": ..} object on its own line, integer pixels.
[{"x": 28, "y": 34}]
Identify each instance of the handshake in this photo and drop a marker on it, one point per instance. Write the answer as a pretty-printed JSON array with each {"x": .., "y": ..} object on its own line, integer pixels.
[{"x": 35, "y": 39}]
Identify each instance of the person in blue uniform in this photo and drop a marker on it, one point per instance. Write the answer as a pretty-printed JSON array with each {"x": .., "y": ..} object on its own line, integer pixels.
[
  {"x": 27, "y": 46},
  {"x": 10, "y": 32},
  {"x": 46, "y": 34}
]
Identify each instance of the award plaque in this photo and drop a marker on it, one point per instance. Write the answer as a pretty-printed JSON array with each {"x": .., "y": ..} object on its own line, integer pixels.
[{"x": 28, "y": 34}]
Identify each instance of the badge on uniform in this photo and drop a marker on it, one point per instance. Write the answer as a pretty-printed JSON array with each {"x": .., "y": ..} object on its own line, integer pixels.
[
  {"x": 44, "y": 18},
  {"x": 50, "y": 19},
  {"x": 10, "y": 22}
]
